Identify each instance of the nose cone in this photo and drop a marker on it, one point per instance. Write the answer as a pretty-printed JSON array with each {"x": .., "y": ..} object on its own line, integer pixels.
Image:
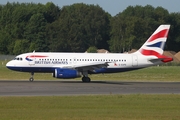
[{"x": 10, "y": 65}]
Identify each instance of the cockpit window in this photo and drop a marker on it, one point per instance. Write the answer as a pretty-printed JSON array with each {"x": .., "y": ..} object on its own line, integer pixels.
[{"x": 18, "y": 58}]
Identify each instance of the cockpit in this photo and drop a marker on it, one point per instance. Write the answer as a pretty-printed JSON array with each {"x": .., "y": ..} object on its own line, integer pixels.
[{"x": 18, "y": 58}]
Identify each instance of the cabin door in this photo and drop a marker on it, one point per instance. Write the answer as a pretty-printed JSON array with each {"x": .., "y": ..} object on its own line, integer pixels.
[{"x": 134, "y": 61}]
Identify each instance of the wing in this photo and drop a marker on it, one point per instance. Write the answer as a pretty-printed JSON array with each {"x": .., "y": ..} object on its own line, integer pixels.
[{"x": 88, "y": 67}]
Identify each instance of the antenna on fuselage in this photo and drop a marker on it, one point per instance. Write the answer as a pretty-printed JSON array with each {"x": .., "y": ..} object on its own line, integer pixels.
[{"x": 34, "y": 51}]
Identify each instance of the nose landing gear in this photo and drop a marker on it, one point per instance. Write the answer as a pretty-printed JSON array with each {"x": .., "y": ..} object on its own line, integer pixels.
[{"x": 31, "y": 79}]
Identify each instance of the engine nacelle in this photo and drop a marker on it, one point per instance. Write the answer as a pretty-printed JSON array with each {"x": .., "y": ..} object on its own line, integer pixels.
[{"x": 66, "y": 73}]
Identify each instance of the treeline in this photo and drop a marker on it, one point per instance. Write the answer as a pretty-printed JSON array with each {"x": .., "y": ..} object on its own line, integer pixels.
[{"x": 25, "y": 27}]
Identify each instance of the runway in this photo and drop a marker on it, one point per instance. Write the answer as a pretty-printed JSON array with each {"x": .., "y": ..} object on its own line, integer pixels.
[{"x": 63, "y": 88}]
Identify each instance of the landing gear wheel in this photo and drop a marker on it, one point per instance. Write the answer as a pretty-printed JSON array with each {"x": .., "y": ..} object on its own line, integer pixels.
[
  {"x": 86, "y": 79},
  {"x": 31, "y": 79}
]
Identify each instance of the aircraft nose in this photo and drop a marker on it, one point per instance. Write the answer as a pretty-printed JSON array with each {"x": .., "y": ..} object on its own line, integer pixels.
[{"x": 9, "y": 64}]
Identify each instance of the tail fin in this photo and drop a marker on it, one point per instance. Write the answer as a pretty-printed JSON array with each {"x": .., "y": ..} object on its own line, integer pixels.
[{"x": 154, "y": 46}]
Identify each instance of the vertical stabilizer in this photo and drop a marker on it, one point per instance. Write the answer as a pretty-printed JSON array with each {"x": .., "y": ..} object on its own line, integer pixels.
[{"x": 154, "y": 46}]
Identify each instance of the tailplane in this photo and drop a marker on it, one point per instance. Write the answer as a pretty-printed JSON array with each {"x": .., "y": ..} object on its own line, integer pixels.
[{"x": 154, "y": 46}]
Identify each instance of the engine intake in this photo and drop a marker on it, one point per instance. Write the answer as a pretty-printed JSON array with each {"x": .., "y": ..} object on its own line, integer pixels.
[{"x": 66, "y": 73}]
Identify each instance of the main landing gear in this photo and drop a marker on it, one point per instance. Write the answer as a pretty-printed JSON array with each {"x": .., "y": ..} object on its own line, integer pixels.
[
  {"x": 31, "y": 79},
  {"x": 85, "y": 77}
]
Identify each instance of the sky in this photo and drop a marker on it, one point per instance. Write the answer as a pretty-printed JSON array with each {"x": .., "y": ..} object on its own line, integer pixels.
[{"x": 111, "y": 6}]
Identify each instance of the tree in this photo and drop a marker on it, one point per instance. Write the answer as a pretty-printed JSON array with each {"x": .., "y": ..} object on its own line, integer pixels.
[
  {"x": 132, "y": 27},
  {"x": 81, "y": 26},
  {"x": 92, "y": 49},
  {"x": 36, "y": 32},
  {"x": 20, "y": 46},
  {"x": 52, "y": 12},
  {"x": 173, "y": 42}
]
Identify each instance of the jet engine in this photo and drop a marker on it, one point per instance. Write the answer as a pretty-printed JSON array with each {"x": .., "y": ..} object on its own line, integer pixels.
[{"x": 66, "y": 73}]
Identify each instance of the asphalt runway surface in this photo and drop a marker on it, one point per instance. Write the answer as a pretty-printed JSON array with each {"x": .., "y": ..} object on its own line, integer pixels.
[{"x": 63, "y": 88}]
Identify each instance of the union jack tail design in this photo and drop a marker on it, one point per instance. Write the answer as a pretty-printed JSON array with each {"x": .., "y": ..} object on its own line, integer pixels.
[{"x": 154, "y": 46}]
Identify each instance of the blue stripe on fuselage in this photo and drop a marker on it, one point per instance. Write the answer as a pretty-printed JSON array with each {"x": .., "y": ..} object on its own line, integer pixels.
[
  {"x": 33, "y": 69},
  {"x": 51, "y": 70}
]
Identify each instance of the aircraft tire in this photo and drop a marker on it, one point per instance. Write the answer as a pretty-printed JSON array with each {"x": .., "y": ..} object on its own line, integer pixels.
[
  {"x": 31, "y": 79},
  {"x": 86, "y": 79}
]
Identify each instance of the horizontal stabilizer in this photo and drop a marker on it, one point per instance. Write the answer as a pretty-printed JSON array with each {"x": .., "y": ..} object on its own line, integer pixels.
[{"x": 162, "y": 58}]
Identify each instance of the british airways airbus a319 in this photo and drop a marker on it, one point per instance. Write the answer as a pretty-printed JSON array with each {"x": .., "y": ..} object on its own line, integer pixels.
[{"x": 73, "y": 65}]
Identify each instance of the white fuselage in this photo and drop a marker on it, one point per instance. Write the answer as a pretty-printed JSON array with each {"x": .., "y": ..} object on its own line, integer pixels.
[{"x": 47, "y": 62}]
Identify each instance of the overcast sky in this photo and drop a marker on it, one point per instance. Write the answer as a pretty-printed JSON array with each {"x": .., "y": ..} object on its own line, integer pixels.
[{"x": 111, "y": 6}]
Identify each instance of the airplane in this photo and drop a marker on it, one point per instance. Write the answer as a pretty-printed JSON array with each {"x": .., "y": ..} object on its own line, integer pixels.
[{"x": 73, "y": 65}]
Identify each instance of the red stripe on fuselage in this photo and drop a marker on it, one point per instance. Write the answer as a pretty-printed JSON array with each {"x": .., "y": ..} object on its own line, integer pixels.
[{"x": 37, "y": 56}]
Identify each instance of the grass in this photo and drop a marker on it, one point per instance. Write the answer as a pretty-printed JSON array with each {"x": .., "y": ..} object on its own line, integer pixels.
[
  {"x": 156, "y": 73},
  {"x": 110, "y": 107}
]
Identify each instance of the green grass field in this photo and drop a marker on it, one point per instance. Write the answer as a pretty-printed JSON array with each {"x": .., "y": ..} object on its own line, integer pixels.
[{"x": 95, "y": 107}]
